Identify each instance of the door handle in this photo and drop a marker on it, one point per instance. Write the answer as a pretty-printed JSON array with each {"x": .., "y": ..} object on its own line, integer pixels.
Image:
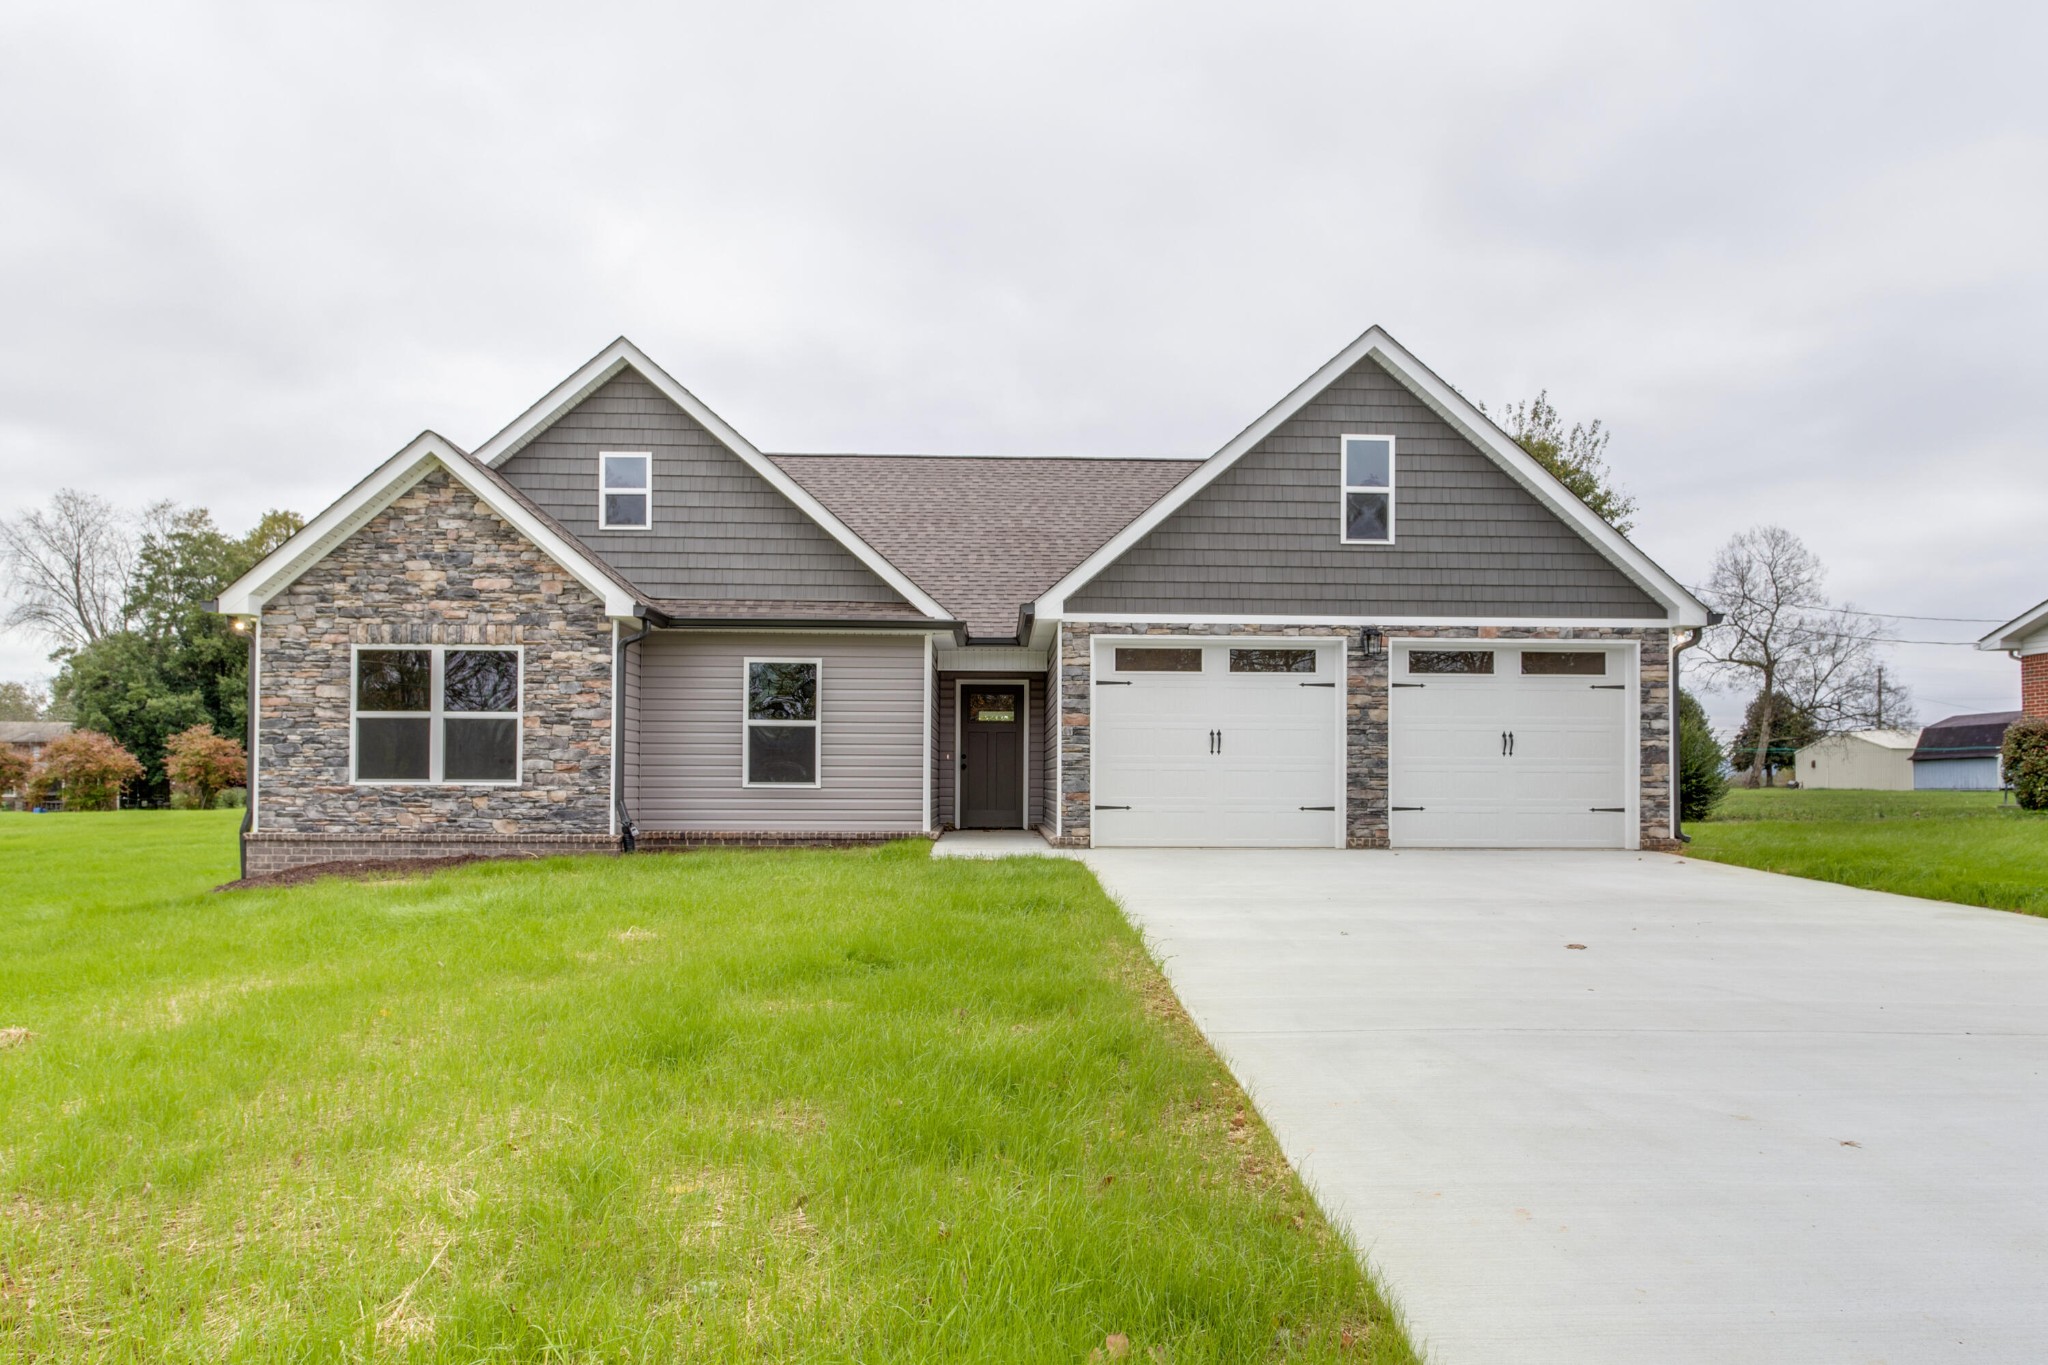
[
  {"x": 1219, "y": 741},
  {"x": 1511, "y": 744},
  {"x": 1503, "y": 744}
]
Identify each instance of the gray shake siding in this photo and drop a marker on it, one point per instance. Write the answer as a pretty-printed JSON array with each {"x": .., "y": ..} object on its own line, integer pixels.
[
  {"x": 872, "y": 750},
  {"x": 1263, "y": 539},
  {"x": 720, "y": 532},
  {"x": 946, "y": 760}
]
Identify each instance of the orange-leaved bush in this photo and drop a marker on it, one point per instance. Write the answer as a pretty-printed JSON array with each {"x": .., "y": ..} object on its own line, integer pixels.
[
  {"x": 204, "y": 764},
  {"x": 87, "y": 768}
]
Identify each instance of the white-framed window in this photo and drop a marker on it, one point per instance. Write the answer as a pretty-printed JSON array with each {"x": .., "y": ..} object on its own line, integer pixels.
[
  {"x": 1367, "y": 510},
  {"x": 625, "y": 490},
  {"x": 441, "y": 715},
  {"x": 781, "y": 735}
]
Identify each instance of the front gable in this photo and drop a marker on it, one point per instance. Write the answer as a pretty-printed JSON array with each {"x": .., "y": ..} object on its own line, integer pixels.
[
  {"x": 1264, "y": 537},
  {"x": 720, "y": 531}
]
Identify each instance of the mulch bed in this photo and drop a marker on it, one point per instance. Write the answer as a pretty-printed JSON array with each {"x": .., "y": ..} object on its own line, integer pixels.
[{"x": 378, "y": 870}]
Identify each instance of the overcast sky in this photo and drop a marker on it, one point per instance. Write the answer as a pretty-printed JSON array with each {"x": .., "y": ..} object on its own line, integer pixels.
[{"x": 1790, "y": 255}]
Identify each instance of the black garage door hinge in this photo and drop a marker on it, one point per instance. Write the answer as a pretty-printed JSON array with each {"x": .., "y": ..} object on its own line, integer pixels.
[
  {"x": 1112, "y": 682},
  {"x": 1408, "y": 808},
  {"x": 1408, "y": 684},
  {"x": 1607, "y": 810},
  {"x": 1112, "y": 808},
  {"x": 1319, "y": 808},
  {"x": 1319, "y": 684},
  {"x": 1608, "y": 687}
]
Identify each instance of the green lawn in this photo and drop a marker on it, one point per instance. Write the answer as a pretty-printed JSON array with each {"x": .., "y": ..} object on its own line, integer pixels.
[
  {"x": 1953, "y": 846},
  {"x": 820, "y": 1106}
]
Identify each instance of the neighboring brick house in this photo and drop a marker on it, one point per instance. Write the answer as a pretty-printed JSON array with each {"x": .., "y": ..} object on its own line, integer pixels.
[
  {"x": 28, "y": 738},
  {"x": 1370, "y": 619},
  {"x": 2025, "y": 638}
]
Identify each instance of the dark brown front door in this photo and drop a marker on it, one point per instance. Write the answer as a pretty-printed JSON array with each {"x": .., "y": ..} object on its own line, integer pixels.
[{"x": 991, "y": 757}]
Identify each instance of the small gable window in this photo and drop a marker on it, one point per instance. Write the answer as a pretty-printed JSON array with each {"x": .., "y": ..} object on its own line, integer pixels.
[
  {"x": 1368, "y": 489},
  {"x": 625, "y": 493}
]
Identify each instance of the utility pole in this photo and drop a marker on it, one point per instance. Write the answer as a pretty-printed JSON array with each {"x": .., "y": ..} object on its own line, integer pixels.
[{"x": 1880, "y": 696}]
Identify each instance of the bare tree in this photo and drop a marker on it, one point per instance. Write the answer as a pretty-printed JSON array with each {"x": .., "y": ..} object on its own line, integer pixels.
[
  {"x": 1780, "y": 632},
  {"x": 68, "y": 567}
]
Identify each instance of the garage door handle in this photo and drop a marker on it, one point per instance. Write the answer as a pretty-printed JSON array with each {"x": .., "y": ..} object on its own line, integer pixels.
[
  {"x": 1331, "y": 684},
  {"x": 1607, "y": 810},
  {"x": 1408, "y": 684},
  {"x": 1112, "y": 808},
  {"x": 1112, "y": 682},
  {"x": 1608, "y": 687},
  {"x": 1407, "y": 807},
  {"x": 1319, "y": 808}
]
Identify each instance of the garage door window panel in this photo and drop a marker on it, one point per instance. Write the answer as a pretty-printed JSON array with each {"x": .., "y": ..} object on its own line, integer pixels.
[
  {"x": 1272, "y": 661},
  {"x": 1152, "y": 659},
  {"x": 1564, "y": 663},
  {"x": 782, "y": 725},
  {"x": 1451, "y": 662}
]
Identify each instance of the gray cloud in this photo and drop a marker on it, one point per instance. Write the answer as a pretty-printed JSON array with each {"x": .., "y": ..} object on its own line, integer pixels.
[{"x": 1786, "y": 252}]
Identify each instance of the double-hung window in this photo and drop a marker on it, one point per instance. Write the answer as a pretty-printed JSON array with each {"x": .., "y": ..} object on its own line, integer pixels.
[
  {"x": 780, "y": 731},
  {"x": 625, "y": 490},
  {"x": 1368, "y": 489},
  {"x": 442, "y": 714}
]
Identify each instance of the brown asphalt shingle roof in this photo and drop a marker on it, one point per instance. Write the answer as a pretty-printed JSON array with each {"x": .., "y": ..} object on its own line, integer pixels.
[{"x": 984, "y": 536}]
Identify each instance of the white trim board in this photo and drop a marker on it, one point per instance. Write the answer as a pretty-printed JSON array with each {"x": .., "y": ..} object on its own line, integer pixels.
[
  {"x": 623, "y": 354},
  {"x": 2027, "y": 632},
  {"x": 1684, "y": 609},
  {"x": 426, "y": 452},
  {"x": 1152, "y": 618}
]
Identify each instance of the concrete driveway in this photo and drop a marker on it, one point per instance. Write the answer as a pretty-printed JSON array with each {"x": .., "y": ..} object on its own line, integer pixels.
[{"x": 1753, "y": 1119}]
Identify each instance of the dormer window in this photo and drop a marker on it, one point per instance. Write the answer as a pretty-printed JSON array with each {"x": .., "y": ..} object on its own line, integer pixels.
[
  {"x": 1368, "y": 476},
  {"x": 625, "y": 490}
]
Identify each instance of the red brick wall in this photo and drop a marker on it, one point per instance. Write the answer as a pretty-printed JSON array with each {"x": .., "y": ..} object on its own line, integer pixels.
[{"x": 2034, "y": 684}]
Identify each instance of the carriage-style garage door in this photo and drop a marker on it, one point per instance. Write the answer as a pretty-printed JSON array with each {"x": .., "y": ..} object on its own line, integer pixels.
[
  {"x": 1510, "y": 746},
  {"x": 1226, "y": 743}
]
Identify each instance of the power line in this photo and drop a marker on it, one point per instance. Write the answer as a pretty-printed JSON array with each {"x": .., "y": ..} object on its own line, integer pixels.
[{"x": 1891, "y": 615}]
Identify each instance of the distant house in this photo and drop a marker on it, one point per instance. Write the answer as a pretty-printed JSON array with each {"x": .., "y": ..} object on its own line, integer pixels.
[
  {"x": 1870, "y": 760},
  {"x": 28, "y": 738},
  {"x": 1961, "y": 753},
  {"x": 2025, "y": 637}
]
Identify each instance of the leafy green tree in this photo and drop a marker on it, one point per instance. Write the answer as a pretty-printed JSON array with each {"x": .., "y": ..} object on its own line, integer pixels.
[
  {"x": 22, "y": 701},
  {"x": 1702, "y": 766},
  {"x": 1577, "y": 455},
  {"x": 178, "y": 665},
  {"x": 1791, "y": 728}
]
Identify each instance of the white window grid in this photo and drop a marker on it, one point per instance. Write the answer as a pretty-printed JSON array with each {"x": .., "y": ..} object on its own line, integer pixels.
[
  {"x": 605, "y": 488},
  {"x": 748, "y": 722},
  {"x": 436, "y": 715},
  {"x": 1347, "y": 488}
]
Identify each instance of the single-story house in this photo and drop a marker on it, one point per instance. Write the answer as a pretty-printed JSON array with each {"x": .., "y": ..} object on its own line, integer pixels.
[
  {"x": 1369, "y": 619},
  {"x": 1870, "y": 760},
  {"x": 28, "y": 738},
  {"x": 2025, "y": 638},
  {"x": 1962, "y": 753}
]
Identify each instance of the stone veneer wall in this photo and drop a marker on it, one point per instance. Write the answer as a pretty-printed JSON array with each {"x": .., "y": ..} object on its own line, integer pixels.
[
  {"x": 436, "y": 567},
  {"x": 1366, "y": 716}
]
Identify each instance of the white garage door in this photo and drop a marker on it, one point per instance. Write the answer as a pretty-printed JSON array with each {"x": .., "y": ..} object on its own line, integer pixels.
[
  {"x": 1217, "y": 744},
  {"x": 1509, "y": 746}
]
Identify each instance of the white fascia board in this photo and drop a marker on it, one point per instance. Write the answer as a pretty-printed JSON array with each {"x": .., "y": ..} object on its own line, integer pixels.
[
  {"x": 2014, "y": 633},
  {"x": 1169, "y": 618},
  {"x": 623, "y": 354},
  {"x": 1418, "y": 379},
  {"x": 283, "y": 566}
]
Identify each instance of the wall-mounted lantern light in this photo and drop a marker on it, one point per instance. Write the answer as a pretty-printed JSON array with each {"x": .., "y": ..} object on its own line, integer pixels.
[{"x": 1369, "y": 638}]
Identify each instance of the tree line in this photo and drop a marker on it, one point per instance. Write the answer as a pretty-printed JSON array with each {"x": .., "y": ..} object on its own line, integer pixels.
[{"x": 122, "y": 598}]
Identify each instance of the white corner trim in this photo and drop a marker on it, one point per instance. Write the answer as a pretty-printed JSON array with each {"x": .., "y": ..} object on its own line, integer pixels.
[
  {"x": 623, "y": 354},
  {"x": 2014, "y": 634},
  {"x": 283, "y": 566},
  {"x": 1684, "y": 609}
]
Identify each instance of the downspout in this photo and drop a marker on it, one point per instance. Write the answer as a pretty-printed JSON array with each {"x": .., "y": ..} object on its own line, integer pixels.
[
  {"x": 626, "y": 841},
  {"x": 249, "y": 792}
]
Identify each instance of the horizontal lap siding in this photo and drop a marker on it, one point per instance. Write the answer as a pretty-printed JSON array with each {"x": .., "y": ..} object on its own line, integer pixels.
[
  {"x": 946, "y": 758},
  {"x": 872, "y": 750},
  {"x": 720, "y": 531},
  {"x": 1264, "y": 538}
]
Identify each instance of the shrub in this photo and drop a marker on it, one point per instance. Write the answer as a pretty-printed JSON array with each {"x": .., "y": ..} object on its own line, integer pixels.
[
  {"x": 14, "y": 768},
  {"x": 88, "y": 768},
  {"x": 202, "y": 765},
  {"x": 234, "y": 798},
  {"x": 2026, "y": 762},
  {"x": 1702, "y": 767}
]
